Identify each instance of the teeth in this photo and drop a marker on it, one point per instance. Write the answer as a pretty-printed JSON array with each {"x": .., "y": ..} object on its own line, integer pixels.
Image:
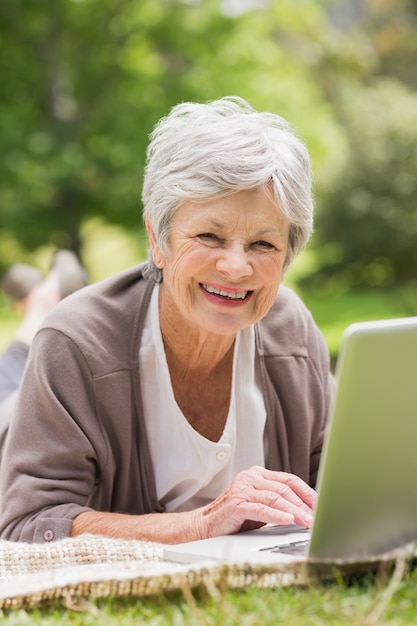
[{"x": 233, "y": 296}]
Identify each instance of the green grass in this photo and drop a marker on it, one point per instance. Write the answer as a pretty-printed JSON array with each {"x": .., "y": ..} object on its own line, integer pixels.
[
  {"x": 362, "y": 603},
  {"x": 335, "y": 305},
  {"x": 9, "y": 322},
  {"x": 334, "y": 311}
]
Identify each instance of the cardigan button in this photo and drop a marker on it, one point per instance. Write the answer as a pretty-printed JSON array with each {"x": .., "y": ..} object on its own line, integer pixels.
[{"x": 48, "y": 535}]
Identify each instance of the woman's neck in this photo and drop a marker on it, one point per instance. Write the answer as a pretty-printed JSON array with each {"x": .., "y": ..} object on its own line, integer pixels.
[
  {"x": 195, "y": 351},
  {"x": 190, "y": 347}
]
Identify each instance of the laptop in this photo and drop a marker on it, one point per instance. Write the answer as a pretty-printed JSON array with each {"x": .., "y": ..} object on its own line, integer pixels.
[{"x": 367, "y": 481}]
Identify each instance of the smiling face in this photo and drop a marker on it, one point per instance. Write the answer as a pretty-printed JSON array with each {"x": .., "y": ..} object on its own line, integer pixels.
[{"x": 225, "y": 262}]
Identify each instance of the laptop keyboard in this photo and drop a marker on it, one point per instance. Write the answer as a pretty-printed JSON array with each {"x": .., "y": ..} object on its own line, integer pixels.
[{"x": 295, "y": 547}]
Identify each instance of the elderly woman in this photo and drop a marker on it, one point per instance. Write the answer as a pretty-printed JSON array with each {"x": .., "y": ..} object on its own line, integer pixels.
[{"x": 187, "y": 397}]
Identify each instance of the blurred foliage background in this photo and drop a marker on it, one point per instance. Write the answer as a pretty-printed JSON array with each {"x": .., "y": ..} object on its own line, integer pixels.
[{"x": 84, "y": 81}]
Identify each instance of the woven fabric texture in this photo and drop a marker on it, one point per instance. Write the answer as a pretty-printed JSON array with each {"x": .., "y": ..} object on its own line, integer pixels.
[{"x": 94, "y": 566}]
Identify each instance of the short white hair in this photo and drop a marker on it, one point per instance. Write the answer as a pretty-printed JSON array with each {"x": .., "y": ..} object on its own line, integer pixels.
[{"x": 207, "y": 151}]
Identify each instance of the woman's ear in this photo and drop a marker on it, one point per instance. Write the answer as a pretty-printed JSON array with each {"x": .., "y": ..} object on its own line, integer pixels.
[{"x": 157, "y": 256}]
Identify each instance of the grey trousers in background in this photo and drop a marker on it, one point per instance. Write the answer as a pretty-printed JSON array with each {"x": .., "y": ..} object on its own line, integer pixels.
[{"x": 12, "y": 365}]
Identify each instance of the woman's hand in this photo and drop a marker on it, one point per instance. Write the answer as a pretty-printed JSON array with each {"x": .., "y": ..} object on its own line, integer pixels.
[{"x": 260, "y": 496}]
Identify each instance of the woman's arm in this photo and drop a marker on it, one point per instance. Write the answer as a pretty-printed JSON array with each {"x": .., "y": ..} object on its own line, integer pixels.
[{"x": 257, "y": 495}]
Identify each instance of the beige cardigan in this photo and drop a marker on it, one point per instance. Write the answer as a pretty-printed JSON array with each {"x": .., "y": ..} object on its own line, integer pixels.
[{"x": 77, "y": 441}]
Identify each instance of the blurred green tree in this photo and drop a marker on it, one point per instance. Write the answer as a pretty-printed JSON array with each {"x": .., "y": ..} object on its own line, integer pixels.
[
  {"x": 68, "y": 115},
  {"x": 83, "y": 82},
  {"x": 367, "y": 222},
  {"x": 366, "y": 227},
  {"x": 392, "y": 28}
]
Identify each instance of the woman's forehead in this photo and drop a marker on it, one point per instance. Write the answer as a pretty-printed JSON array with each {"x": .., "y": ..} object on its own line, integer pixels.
[
  {"x": 251, "y": 200},
  {"x": 256, "y": 211}
]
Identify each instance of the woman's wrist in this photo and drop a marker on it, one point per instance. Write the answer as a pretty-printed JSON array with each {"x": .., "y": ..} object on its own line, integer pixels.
[{"x": 157, "y": 527}]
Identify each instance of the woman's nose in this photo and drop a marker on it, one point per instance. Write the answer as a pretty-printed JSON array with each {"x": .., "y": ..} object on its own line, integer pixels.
[{"x": 234, "y": 262}]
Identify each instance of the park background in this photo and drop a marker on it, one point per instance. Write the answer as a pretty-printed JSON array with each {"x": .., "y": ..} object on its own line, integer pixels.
[
  {"x": 84, "y": 81},
  {"x": 82, "y": 84}
]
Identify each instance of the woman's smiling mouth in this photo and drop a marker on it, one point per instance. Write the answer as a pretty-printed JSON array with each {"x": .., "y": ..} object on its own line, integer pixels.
[{"x": 232, "y": 295}]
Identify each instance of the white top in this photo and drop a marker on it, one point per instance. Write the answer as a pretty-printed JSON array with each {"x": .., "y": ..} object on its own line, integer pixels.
[{"x": 190, "y": 470}]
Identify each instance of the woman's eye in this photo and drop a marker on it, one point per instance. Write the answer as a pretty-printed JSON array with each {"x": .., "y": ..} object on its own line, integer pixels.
[
  {"x": 263, "y": 244},
  {"x": 208, "y": 237}
]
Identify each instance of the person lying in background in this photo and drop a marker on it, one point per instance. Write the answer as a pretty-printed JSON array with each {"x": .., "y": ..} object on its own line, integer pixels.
[
  {"x": 186, "y": 397},
  {"x": 32, "y": 296}
]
